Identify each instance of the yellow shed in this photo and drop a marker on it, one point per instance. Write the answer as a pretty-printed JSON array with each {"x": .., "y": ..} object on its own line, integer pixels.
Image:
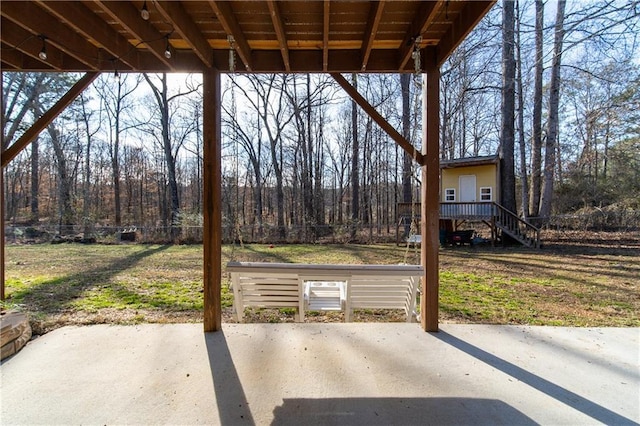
[{"x": 470, "y": 180}]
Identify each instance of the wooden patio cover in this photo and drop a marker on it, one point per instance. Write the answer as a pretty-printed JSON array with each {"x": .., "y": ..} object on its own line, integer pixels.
[{"x": 302, "y": 36}]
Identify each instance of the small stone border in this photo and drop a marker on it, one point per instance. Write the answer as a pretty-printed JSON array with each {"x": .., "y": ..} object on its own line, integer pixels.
[{"x": 15, "y": 332}]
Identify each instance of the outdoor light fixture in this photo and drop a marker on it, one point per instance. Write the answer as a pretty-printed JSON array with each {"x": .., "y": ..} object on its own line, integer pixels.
[
  {"x": 43, "y": 52},
  {"x": 144, "y": 12},
  {"x": 116, "y": 76},
  {"x": 167, "y": 50},
  {"x": 232, "y": 54}
]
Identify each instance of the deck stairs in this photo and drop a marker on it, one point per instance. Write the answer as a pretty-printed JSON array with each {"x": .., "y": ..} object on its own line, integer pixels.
[{"x": 501, "y": 221}]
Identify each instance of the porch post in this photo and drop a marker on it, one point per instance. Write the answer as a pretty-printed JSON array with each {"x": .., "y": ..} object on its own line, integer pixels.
[
  {"x": 212, "y": 188},
  {"x": 2, "y": 295},
  {"x": 2, "y": 212},
  {"x": 430, "y": 194}
]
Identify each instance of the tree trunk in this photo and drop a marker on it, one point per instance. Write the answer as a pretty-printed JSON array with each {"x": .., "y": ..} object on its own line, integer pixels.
[
  {"x": 521, "y": 139},
  {"x": 407, "y": 162},
  {"x": 161, "y": 95},
  {"x": 35, "y": 180},
  {"x": 276, "y": 153},
  {"x": 318, "y": 199},
  {"x": 507, "y": 144},
  {"x": 355, "y": 175},
  {"x": 552, "y": 122},
  {"x": 64, "y": 183},
  {"x": 171, "y": 163},
  {"x": 115, "y": 158},
  {"x": 536, "y": 131},
  {"x": 86, "y": 184}
]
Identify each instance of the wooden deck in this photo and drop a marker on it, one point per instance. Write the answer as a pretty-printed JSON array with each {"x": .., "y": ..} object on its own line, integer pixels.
[{"x": 500, "y": 221}]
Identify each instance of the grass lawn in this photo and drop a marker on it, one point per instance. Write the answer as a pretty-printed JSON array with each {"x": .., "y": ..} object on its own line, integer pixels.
[{"x": 563, "y": 284}]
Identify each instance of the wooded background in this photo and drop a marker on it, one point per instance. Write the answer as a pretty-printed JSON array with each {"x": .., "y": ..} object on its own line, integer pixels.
[{"x": 553, "y": 87}]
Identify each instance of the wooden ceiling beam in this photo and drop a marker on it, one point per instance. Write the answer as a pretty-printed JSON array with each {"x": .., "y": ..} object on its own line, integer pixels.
[
  {"x": 23, "y": 41},
  {"x": 232, "y": 28},
  {"x": 466, "y": 20},
  {"x": 84, "y": 21},
  {"x": 182, "y": 23},
  {"x": 375, "y": 14},
  {"x": 278, "y": 26},
  {"x": 35, "y": 20},
  {"x": 425, "y": 16},
  {"x": 325, "y": 34},
  {"x": 40, "y": 124},
  {"x": 311, "y": 61},
  {"x": 379, "y": 119},
  {"x": 13, "y": 59},
  {"x": 128, "y": 16}
]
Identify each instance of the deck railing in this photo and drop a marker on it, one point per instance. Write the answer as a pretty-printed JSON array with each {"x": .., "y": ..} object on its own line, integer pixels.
[{"x": 469, "y": 211}]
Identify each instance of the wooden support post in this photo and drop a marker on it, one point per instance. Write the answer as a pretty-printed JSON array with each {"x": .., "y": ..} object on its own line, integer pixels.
[
  {"x": 2, "y": 263},
  {"x": 212, "y": 197},
  {"x": 430, "y": 195},
  {"x": 2, "y": 295}
]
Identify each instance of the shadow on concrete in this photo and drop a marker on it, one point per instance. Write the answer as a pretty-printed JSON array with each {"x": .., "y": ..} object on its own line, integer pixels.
[
  {"x": 397, "y": 411},
  {"x": 565, "y": 396},
  {"x": 233, "y": 407}
]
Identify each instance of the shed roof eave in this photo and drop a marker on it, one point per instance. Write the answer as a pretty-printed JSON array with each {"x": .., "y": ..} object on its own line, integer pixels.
[{"x": 470, "y": 161}]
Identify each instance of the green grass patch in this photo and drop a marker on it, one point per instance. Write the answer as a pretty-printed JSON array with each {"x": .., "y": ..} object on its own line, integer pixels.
[{"x": 72, "y": 283}]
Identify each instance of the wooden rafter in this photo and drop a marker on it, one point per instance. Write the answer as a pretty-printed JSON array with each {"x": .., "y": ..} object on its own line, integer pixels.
[
  {"x": 24, "y": 42},
  {"x": 379, "y": 119},
  {"x": 183, "y": 24},
  {"x": 461, "y": 26},
  {"x": 268, "y": 35},
  {"x": 32, "y": 18},
  {"x": 232, "y": 27},
  {"x": 325, "y": 34},
  {"x": 12, "y": 59},
  {"x": 278, "y": 26},
  {"x": 375, "y": 14},
  {"x": 128, "y": 16},
  {"x": 40, "y": 124},
  {"x": 419, "y": 25},
  {"x": 87, "y": 23}
]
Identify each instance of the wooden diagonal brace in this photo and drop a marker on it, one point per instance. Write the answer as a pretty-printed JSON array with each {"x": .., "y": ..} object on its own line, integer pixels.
[
  {"x": 40, "y": 124},
  {"x": 384, "y": 124}
]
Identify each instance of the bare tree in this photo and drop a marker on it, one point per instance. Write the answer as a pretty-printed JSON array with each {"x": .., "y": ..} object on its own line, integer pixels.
[
  {"x": 507, "y": 140},
  {"x": 275, "y": 116},
  {"x": 87, "y": 117},
  {"x": 244, "y": 130},
  {"x": 552, "y": 122},
  {"x": 172, "y": 141},
  {"x": 117, "y": 99},
  {"x": 407, "y": 162},
  {"x": 355, "y": 155},
  {"x": 536, "y": 126}
]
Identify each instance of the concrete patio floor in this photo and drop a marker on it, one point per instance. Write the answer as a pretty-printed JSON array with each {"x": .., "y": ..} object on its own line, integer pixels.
[{"x": 301, "y": 374}]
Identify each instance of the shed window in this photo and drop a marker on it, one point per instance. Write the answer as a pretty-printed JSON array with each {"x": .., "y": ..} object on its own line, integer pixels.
[
  {"x": 486, "y": 193},
  {"x": 450, "y": 194}
]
